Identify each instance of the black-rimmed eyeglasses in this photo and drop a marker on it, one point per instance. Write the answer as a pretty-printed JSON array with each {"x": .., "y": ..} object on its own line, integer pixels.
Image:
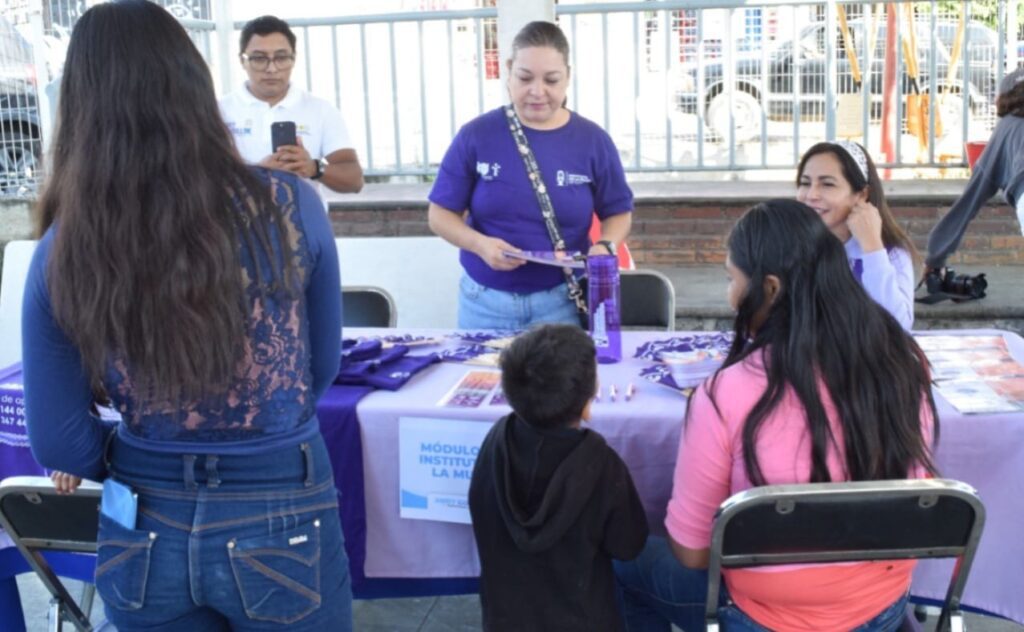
[{"x": 262, "y": 62}]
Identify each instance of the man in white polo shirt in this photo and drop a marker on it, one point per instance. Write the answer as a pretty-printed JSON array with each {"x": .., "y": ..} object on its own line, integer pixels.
[{"x": 323, "y": 151}]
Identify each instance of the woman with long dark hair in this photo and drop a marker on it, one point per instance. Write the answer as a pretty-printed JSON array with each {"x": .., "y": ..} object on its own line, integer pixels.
[
  {"x": 839, "y": 181},
  {"x": 200, "y": 299},
  {"x": 821, "y": 384}
]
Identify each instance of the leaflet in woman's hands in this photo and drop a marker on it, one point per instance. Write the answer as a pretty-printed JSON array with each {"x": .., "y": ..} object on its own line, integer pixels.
[{"x": 567, "y": 259}]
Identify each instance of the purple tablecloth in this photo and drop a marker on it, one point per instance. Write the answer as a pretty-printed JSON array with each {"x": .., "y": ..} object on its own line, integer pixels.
[
  {"x": 397, "y": 555},
  {"x": 985, "y": 451}
]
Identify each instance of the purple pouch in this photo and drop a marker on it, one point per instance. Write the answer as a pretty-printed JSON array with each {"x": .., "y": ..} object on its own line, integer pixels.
[
  {"x": 355, "y": 372},
  {"x": 393, "y": 375}
]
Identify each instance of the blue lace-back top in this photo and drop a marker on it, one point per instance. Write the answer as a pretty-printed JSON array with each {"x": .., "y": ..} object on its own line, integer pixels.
[{"x": 291, "y": 356}]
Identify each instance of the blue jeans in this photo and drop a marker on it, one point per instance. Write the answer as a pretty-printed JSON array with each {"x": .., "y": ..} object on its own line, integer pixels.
[
  {"x": 226, "y": 542},
  {"x": 481, "y": 307},
  {"x": 657, "y": 591}
]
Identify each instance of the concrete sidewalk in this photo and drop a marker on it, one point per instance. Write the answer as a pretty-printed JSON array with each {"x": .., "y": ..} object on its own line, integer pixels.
[{"x": 420, "y": 614}]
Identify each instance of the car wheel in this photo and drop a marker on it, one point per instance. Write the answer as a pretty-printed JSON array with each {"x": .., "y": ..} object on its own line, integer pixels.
[
  {"x": 746, "y": 115},
  {"x": 20, "y": 158}
]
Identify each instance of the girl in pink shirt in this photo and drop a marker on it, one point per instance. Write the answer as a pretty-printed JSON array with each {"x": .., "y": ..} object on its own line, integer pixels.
[{"x": 821, "y": 384}]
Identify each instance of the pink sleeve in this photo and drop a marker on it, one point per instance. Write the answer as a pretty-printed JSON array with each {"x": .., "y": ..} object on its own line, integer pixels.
[
  {"x": 928, "y": 432},
  {"x": 702, "y": 477}
]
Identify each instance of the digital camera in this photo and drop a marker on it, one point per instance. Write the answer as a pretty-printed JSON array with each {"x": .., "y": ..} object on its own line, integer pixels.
[{"x": 958, "y": 286}]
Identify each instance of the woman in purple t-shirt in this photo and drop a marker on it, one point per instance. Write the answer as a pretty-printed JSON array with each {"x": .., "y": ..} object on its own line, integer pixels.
[{"x": 483, "y": 201}]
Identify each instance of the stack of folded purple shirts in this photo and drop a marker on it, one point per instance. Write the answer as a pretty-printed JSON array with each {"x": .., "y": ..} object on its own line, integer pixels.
[
  {"x": 367, "y": 363},
  {"x": 660, "y": 374},
  {"x": 480, "y": 337},
  {"x": 717, "y": 341},
  {"x": 475, "y": 344},
  {"x": 408, "y": 339},
  {"x": 684, "y": 361},
  {"x": 464, "y": 353}
]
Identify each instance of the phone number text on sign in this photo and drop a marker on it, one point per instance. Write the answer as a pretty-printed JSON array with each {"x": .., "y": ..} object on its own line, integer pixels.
[{"x": 12, "y": 405}]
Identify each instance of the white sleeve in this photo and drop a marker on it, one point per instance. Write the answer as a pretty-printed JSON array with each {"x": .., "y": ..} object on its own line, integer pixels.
[
  {"x": 335, "y": 134},
  {"x": 888, "y": 278}
]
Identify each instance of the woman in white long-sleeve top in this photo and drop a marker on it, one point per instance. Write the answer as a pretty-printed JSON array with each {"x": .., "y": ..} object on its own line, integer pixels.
[{"x": 839, "y": 181}]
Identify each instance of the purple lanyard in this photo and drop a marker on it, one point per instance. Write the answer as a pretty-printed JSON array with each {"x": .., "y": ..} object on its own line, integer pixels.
[{"x": 857, "y": 265}]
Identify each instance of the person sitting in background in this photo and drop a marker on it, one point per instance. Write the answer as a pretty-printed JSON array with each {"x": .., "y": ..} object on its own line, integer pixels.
[
  {"x": 324, "y": 150},
  {"x": 1000, "y": 167},
  {"x": 199, "y": 298},
  {"x": 551, "y": 503},
  {"x": 839, "y": 181},
  {"x": 821, "y": 384},
  {"x": 485, "y": 202}
]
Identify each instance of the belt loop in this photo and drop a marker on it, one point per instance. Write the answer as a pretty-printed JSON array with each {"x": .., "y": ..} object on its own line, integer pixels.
[
  {"x": 188, "y": 462},
  {"x": 212, "y": 478},
  {"x": 307, "y": 455},
  {"x": 108, "y": 442}
]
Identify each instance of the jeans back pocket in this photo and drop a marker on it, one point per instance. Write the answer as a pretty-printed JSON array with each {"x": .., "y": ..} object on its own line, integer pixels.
[
  {"x": 122, "y": 564},
  {"x": 278, "y": 575}
]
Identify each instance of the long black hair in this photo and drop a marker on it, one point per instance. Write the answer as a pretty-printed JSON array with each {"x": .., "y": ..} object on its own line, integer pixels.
[
  {"x": 823, "y": 327},
  {"x": 150, "y": 200}
]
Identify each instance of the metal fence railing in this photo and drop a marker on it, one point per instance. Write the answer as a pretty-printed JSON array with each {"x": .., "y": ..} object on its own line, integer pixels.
[
  {"x": 726, "y": 85},
  {"x": 33, "y": 44},
  {"x": 404, "y": 81},
  {"x": 691, "y": 85},
  {"x": 681, "y": 85},
  {"x": 20, "y": 123}
]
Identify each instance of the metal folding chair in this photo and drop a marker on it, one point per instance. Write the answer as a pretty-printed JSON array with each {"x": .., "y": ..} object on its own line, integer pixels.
[
  {"x": 37, "y": 519},
  {"x": 647, "y": 300},
  {"x": 842, "y": 522},
  {"x": 367, "y": 306}
]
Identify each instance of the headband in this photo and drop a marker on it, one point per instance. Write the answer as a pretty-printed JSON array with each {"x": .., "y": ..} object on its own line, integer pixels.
[{"x": 854, "y": 150}]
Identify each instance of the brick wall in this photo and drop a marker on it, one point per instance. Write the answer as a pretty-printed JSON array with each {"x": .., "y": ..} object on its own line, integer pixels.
[
  {"x": 664, "y": 233},
  {"x": 681, "y": 233}
]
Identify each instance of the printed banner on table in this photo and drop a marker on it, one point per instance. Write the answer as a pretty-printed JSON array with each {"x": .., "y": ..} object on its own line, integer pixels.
[
  {"x": 15, "y": 456},
  {"x": 436, "y": 458},
  {"x": 12, "y": 416}
]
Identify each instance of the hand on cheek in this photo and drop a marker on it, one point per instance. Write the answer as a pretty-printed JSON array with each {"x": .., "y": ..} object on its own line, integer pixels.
[{"x": 865, "y": 224}]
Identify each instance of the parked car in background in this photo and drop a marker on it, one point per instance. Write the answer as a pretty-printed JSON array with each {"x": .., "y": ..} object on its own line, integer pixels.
[
  {"x": 795, "y": 79},
  {"x": 20, "y": 144}
]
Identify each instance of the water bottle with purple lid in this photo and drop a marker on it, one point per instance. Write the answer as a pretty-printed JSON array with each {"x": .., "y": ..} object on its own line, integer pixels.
[{"x": 603, "y": 301}]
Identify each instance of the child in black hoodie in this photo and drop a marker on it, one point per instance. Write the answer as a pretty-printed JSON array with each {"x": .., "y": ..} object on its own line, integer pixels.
[{"x": 551, "y": 502}]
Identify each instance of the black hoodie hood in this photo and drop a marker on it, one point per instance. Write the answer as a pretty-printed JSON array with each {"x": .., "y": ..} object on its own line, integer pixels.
[
  {"x": 543, "y": 479},
  {"x": 551, "y": 509}
]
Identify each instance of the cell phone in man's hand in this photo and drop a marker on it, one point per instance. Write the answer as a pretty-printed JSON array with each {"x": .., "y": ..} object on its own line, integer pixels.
[{"x": 282, "y": 133}]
